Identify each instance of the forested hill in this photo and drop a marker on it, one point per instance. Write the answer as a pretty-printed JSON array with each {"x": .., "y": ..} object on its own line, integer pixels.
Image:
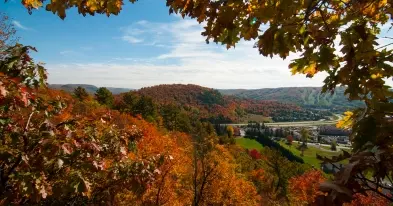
[
  {"x": 306, "y": 97},
  {"x": 89, "y": 88},
  {"x": 184, "y": 94},
  {"x": 302, "y": 96},
  {"x": 210, "y": 103}
]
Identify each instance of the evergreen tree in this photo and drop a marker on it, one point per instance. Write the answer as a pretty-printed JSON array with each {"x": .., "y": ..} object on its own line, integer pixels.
[
  {"x": 129, "y": 101},
  {"x": 146, "y": 107},
  {"x": 104, "y": 96},
  {"x": 80, "y": 93},
  {"x": 333, "y": 145}
]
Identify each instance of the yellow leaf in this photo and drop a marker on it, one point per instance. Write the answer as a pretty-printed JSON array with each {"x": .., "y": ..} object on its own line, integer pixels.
[
  {"x": 333, "y": 18},
  {"x": 311, "y": 69},
  {"x": 32, "y": 3},
  {"x": 346, "y": 122},
  {"x": 294, "y": 70},
  {"x": 377, "y": 75}
]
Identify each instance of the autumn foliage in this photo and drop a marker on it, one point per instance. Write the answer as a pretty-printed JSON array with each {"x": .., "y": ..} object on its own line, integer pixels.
[
  {"x": 58, "y": 149},
  {"x": 255, "y": 154},
  {"x": 289, "y": 139},
  {"x": 304, "y": 189},
  {"x": 369, "y": 198},
  {"x": 210, "y": 104},
  {"x": 340, "y": 38}
]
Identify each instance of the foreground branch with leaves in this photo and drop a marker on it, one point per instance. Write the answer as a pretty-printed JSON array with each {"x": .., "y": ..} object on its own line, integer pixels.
[{"x": 48, "y": 152}]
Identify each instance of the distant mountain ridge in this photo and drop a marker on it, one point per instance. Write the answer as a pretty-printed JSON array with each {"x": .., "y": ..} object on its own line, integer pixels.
[
  {"x": 306, "y": 97},
  {"x": 88, "y": 87},
  {"x": 208, "y": 102},
  {"x": 303, "y": 96}
]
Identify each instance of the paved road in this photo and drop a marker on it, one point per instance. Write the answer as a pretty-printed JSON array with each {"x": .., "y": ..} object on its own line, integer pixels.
[
  {"x": 295, "y": 124},
  {"x": 299, "y": 124},
  {"x": 326, "y": 145}
]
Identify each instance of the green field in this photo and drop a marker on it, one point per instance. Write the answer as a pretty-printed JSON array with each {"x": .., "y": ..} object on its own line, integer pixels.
[
  {"x": 249, "y": 143},
  {"x": 310, "y": 154}
]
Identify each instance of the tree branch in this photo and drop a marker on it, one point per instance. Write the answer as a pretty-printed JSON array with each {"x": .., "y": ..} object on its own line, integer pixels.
[{"x": 28, "y": 121}]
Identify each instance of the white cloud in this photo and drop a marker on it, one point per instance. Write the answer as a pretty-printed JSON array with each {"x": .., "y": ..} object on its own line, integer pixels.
[
  {"x": 69, "y": 53},
  {"x": 19, "y": 25},
  {"x": 185, "y": 58},
  {"x": 131, "y": 39}
]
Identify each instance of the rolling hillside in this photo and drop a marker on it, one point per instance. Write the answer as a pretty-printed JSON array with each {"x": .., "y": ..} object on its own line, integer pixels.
[
  {"x": 89, "y": 88},
  {"x": 281, "y": 104},
  {"x": 211, "y": 102},
  {"x": 307, "y": 97}
]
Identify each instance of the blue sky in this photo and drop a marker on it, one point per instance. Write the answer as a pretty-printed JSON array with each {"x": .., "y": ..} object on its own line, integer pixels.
[{"x": 143, "y": 46}]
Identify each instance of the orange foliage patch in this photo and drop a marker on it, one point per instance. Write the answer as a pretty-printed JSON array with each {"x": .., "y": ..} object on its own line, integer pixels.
[{"x": 303, "y": 189}]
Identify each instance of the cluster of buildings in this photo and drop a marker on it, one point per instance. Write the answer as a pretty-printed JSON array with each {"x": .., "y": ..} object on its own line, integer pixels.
[
  {"x": 317, "y": 134},
  {"x": 322, "y": 134}
]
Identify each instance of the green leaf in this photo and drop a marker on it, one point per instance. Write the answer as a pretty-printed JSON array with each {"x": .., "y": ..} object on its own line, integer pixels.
[{"x": 302, "y": 29}]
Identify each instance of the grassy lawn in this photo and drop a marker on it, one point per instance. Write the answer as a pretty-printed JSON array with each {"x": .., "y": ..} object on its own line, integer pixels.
[
  {"x": 310, "y": 154},
  {"x": 248, "y": 143},
  {"x": 326, "y": 147}
]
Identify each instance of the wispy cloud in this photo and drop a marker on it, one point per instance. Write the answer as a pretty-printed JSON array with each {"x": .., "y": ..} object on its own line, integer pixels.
[
  {"x": 19, "y": 25},
  {"x": 131, "y": 39},
  {"x": 184, "y": 58},
  {"x": 69, "y": 53}
]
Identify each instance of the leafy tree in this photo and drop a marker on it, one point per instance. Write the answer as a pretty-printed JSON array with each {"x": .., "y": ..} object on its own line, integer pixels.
[
  {"x": 104, "y": 96},
  {"x": 128, "y": 102},
  {"x": 220, "y": 129},
  {"x": 230, "y": 131},
  {"x": 135, "y": 104},
  {"x": 184, "y": 123},
  {"x": 280, "y": 169},
  {"x": 211, "y": 97},
  {"x": 304, "y": 133},
  {"x": 214, "y": 179},
  {"x": 7, "y": 33},
  {"x": 81, "y": 93},
  {"x": 85, "y": 107},
  {"x": 175, "y": 119},
  {"x": 245, "y": 162},
  {"x": 303, "y": 189},
  {"x": 239, "y": 113},
  {"x": 310, "y": 28},
  {"x": 255, "y": 154},
  {"x": 146, "y": 107},
  {"x": 171, "y": 176},
  {"x": 333, "y": 145},
  {"x": 289, "y": 139}
]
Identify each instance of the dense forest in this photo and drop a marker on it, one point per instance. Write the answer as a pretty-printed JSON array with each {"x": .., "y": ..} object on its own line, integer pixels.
[
  {"x": 211, "y": 104},
  {"x": 280, "y": 104}
]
